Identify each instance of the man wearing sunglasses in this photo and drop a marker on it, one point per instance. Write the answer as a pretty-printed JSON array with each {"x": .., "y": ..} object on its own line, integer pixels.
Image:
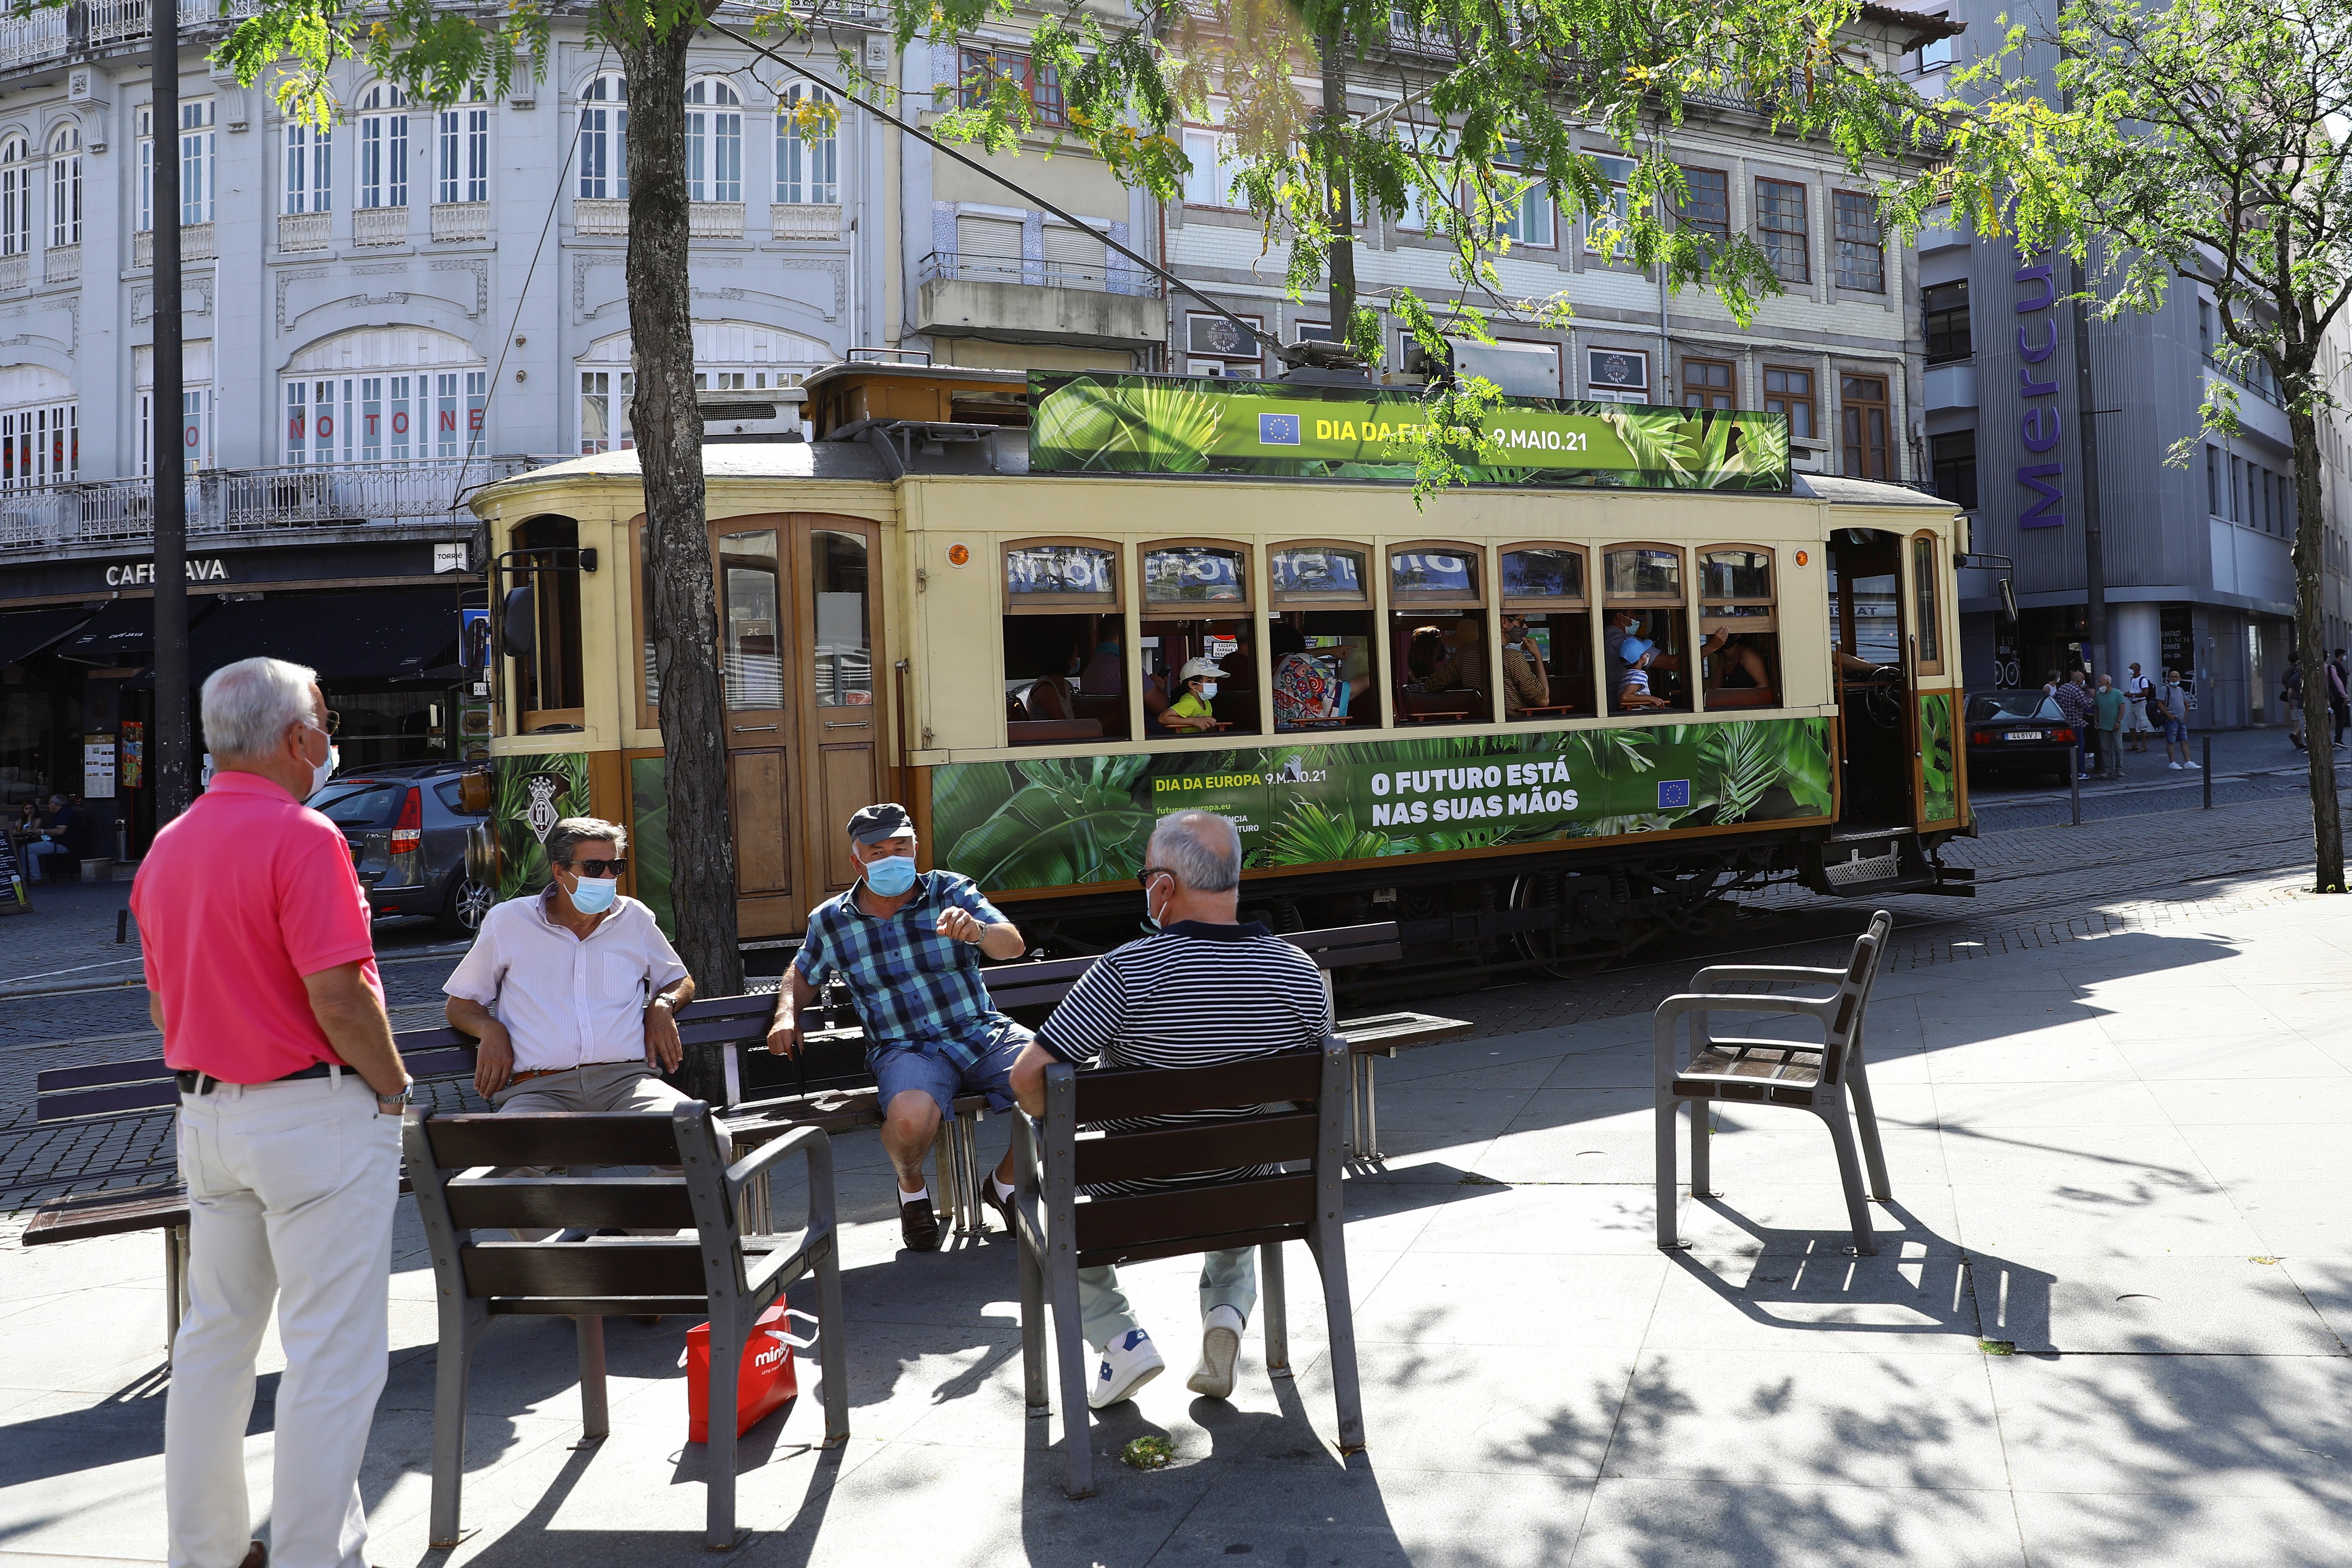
[{"x": 574, "y": 994}]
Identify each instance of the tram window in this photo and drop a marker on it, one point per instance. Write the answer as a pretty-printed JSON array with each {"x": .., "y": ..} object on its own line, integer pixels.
[
  {"x": 1437, "y": 635},
  {"x": 1064, "y": 662},
  {"x": 1740, "y": 644},
  {"x": 1923, "y": 620},
  {"x": 1196, "y": 605},
  {"x": 752, "y": 670},
  {"x": 1645, "y": 640},
  {"x": 1546, "y": 654},
  {"x": 552, "y": 678},
  {"x": 1320, "y": 639},
  {"x": 845, "y": 652},
  {"x": 1865, "y": 605}
]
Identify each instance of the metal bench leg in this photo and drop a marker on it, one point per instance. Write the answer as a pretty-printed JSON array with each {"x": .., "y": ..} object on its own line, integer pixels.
[
  {"x": 1849, "y": 1176},
  {"x": 1667, "y": 1107},
  {"x": 1866, "y": 1114},
  {"x": 1276, "y": 1303},
  {"x": 718, "y": 1447},
  {"x": 1702, "y": 1112},
  {"x": 596, "y": 1417},
  {"x": 453, "y": 1361},
  {"x": 1372, "y": 1108},
  {"x": 1070, "y": 1346},
  {"x": 1032, "y": 1328},
  {"x": 1356, "y": 1107},
  {"x": 1339, "y": 1319}
]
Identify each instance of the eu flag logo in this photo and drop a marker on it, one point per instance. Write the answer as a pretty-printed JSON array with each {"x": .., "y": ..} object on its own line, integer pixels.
[
  {"x": 1673, "y": 793},
  {"x": 1277, "y": 429}
]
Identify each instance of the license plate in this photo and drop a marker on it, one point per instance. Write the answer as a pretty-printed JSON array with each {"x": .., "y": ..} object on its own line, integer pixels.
[{"x": 2028, "y": 734}]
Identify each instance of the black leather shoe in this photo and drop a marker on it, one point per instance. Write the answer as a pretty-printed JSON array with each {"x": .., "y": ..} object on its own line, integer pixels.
[
  {"x": 1003, "y": 1206},
  {"x": 918, "y": 1227}
]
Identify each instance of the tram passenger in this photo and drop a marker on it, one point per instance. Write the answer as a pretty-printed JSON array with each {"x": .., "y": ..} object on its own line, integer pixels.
[
  {"x": 1739, "y": 667},
  {"x": 1423, "y": 655},
  {"x": 1526, "y": 682},
  {"x": 1464, "y": 667},
  {"x": 1200, "y": 678},
  {"x": 1634, "y": 657},
  {"x": 908, "y": 943}
]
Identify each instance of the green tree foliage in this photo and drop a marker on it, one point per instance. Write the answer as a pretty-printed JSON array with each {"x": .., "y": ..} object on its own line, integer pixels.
[{"x": 2200, "y": 139}]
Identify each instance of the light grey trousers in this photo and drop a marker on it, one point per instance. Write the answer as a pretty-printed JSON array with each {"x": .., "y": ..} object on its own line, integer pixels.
[{"x": 1227, "y": 1280}]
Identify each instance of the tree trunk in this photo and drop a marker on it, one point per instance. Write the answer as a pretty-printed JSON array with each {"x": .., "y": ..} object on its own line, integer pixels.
[
  {"x": 1335, "y": 187},
  {"x": 2310, "y": 625},
  {"x": 668, "y": 427}
]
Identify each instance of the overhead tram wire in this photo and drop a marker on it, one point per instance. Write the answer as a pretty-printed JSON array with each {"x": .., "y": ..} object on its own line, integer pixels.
[{"x": 1289, "y": 353}]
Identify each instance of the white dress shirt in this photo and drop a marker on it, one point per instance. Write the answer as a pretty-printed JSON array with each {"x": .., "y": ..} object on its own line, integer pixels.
[{"x": 568, "y": 1001}]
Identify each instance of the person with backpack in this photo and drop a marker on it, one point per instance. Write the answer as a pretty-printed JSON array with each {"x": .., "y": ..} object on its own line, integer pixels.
[
  {"x": 2168, "y": 708},
  {"x": 2138, "y": 720}
]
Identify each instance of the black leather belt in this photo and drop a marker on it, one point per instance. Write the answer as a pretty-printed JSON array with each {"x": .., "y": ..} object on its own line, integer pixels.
[{"x": 205, "y": 1083}]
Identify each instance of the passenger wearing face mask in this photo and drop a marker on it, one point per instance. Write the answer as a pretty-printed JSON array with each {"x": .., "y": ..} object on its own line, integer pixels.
[
  {"x": 573, "y": 994},
  {"x": 908, "y": 944},
  {"x": 1192, "y": 710}
]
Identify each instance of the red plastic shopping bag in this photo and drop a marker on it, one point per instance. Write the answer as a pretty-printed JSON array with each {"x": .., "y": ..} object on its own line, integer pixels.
[{"x": 764, "y": 1383}]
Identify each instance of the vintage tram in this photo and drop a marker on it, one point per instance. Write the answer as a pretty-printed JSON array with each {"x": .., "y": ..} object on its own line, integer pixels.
[{"x": 1535, "y": 719}]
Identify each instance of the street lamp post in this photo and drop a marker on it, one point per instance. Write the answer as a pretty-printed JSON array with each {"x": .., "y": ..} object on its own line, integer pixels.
[{"x": 172, "y": 776}]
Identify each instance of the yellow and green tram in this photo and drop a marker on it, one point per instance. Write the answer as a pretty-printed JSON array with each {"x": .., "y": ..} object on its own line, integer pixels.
[{"x": 979, "y": 591}]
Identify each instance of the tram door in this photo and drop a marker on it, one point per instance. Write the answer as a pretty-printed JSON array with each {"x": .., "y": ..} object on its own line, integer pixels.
[
  {"x": 759, "y": 682},
  {"x": 1878, "y": 751},
  {"x": 836, "y": 624}
]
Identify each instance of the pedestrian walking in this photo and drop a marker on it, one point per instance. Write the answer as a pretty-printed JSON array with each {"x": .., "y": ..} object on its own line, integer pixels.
[
  {"x": 2339, "y": 696},
  {"x": 2139, "y": 723},
  {"x": 2107, "y": 716},
  {"x": 261, "y": 976},
  {"x": 2168, "y": 708},
  {"x": 2291, "y": 700}
]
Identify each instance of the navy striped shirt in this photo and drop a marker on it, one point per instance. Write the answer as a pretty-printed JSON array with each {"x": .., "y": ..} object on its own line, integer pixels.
[{"x": 1193, "y": 996}]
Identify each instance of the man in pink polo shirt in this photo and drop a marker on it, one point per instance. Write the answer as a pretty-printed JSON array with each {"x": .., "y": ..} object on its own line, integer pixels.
[{"x": 261, "y": 974}]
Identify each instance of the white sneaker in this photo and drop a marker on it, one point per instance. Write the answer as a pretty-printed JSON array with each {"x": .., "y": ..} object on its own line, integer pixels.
[
  {"x": 2174, "y": 766},
  {"x": 1129, "y": 1362},
  {"x": 1220, "y": 1343},
  {"x": 2199, "y": 766}
]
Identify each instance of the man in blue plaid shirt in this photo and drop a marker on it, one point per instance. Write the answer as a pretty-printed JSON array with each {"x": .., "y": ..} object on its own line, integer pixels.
[{"x": 908, "y": 944}]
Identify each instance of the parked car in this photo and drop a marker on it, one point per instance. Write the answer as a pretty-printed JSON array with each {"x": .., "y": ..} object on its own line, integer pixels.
[
  {"x": 406, "y": 824},
  {"x": 2019, "y": 732}
]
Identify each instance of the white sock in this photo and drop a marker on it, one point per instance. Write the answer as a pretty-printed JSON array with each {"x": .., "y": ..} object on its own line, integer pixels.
[
  {"x": 1004, "y": 1189},
  {"x": 1223, "y": 1316},
  {"x": 916, "y": 1197}
]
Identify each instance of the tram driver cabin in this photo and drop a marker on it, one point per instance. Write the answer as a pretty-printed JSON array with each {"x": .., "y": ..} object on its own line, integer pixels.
[{"x": 1636, "y": 666}]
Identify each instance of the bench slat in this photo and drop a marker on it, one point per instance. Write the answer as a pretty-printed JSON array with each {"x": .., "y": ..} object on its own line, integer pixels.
[
  {"x": 1200, "y": 1215},
  {"x": 99, "y": 1074},
  {"x": 650, "y": 1266},
  {"x": 552, "y": 1138},
  {"x": 72, "y": 1105},
  {"x": 109, "y": 1214},
  {"x": 528, "y": 1203},
  {"x": 1146, "y": 1252},
  {"x": 1103, "y": 1096},
  {"x": 1179, "y": 1150}
]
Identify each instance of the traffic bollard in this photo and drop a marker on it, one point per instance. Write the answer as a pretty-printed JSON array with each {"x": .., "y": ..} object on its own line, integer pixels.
[
  {"x": 2075, "y": 787},
  {"x": 2208, "y": 772}
]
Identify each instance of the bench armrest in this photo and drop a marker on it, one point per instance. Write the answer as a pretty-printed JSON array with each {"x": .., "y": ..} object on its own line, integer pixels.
[
  {"x": 1674, "y": 1007},
  {"x": 813, "y": 1139},
  {"x": 1788, "y": 973}
]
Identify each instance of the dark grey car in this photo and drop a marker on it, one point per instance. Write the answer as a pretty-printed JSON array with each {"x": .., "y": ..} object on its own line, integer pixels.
[{"x": 406, "y": 824}]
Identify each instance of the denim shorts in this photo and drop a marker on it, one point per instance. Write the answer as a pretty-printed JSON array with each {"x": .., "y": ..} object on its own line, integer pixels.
[
  {"x": 929, "y": 1068},
  {"x": 2176, "y": 732}
]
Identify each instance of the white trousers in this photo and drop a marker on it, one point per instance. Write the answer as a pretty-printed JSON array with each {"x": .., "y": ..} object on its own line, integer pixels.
[{"x": 292, "y": 1188}]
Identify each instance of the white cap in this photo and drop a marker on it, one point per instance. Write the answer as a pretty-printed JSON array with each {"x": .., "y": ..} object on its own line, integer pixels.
[{"x": 1198, "y": 668}]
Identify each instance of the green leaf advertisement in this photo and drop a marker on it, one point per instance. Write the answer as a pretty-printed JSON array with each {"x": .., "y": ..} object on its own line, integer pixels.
[
  {"x": 531, "y": 794},
  {"x": 1174, "y": 425},
  {"x": 1066, "y": 822},
  {"x": 1939, "y": 790}
]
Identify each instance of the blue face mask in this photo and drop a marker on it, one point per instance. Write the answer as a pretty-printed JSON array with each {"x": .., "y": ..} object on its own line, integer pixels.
[
  {"x": 594, "y": 895},
  {"x": 890, "y": 876}
]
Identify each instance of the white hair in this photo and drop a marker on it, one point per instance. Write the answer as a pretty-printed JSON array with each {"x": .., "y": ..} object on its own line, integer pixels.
[
  {"x": 1203, "y": 849},
  {"x": 247, "y": 705}
]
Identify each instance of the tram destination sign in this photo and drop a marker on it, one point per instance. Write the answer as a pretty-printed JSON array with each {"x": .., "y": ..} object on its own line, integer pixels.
[
  {"x": 1180, "y": 425},
  {"x": 1073, "y": 821}
]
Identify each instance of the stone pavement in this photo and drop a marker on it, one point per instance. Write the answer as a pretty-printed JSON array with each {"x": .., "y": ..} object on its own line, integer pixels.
[{"x": 2106, "y": 1325}]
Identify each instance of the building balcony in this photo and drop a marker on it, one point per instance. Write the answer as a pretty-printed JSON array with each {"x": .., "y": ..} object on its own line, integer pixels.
[
  {"x": 1016, "y": 299},
  {"x": 38, "y": 35},
  {"x": 714, "y": 220},
  {"x": 596, "y": 216},
  {"x": 302, "y": 231},
  {"x": 805, "y": 220},
  {"x": 226, "y": 504},
  {"x": 16, "y": 272},
  {"x": 61, "y": 264},
  {"x": 380, "y": 226},
  {"x": 1952, "y": 386},
  {"x": 195, "y": 245},
  {"x": 460, "y": 220}
]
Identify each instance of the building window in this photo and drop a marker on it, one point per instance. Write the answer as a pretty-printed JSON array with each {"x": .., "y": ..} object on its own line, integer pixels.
[
  {"x": 1208, "y": 182},
  {"x": 146, "y": 127},
  {"x": 1526, "y": 217},
  {"x": 383, "y": 147},
  {"x": 604, "y": 140},
  {"x": 19, "y": 181},
  {"x": 462, "y": 138},
  {"x": 1707, "y": 208},
  {"x": 2205, "y": 328},
  {"x": 1944, "y": 306},
  {"x": 984, "y": 67},
  {"x": 1861, "y": 404},
  {"x": 2212, "y": 482},
  {"x": 605, "y": 410},
  {"x": 64, "y": 187},
  {"x": 196, "y": 428},
  {"x": 1955, "y": 458},
  {"x": 197, "y": 139},
  {"x": 1861, "y": 248},
  {"x": 1790, "y": 392},
  {"x": 1780, "y": 220},
  {"x": 807, "y": 167},
  {"x": 1615, "y": 172},
  {"x": 1617, "y": 376},
  {"x": 1706, "y": 383},
  {"x": 714, "y": 141},
  {"x": 39, "y": 445},
  {"x": 399, "y": 417},
  {"x": 310, "y": 169}
]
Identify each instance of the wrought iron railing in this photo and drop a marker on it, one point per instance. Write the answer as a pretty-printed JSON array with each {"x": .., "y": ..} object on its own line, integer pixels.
[{"x": 1112, "y": 275}]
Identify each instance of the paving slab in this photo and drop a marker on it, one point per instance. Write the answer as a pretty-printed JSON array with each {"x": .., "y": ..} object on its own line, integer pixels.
[{"x": 2229, "y": 1305}]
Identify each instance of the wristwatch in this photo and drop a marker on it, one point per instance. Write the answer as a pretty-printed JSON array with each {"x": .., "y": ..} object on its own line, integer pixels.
[{"x": 400, "y": 1099}]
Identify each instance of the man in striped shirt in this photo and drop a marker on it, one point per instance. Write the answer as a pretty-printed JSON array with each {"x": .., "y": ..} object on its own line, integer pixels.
[{"x": 1206, "y": 989}]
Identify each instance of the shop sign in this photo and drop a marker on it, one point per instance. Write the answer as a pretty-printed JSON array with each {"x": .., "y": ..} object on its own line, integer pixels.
[
  {"x": 1062, "y": 822},
  {"x": 1176, "y": 425},
  {"x": 98, "y": 767},
  {"x": 2037, "y": 427},
  {"x": 142, "y": 573}
]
